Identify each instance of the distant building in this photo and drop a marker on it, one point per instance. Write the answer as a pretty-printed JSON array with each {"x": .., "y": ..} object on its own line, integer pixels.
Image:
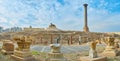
[
  {"x": 16, "y": 29},
  {"x": 33, "y": 29},
  {"x": 13, "y": 29},
  {"x": 51, "y": 27},
  {"x": 1, "y": 29}
]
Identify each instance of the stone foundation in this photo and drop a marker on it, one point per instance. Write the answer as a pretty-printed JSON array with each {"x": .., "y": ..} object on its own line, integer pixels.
[
  {"x": 17, "y": 58},
  {"x": 55, "y": 57},
  {"x": 22, "y": 56},
  {"x": 55, "y": 54},
  {"x": 93, "y": 53},
  {"x": 112, "y": 53},
  {"x": 93, "y": 59}
]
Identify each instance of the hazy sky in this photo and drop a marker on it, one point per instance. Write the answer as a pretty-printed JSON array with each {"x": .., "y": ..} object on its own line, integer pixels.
[{"x": 103, "y": 15}]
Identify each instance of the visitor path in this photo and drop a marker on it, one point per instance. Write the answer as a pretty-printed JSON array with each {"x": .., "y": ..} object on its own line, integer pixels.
[{"x": 64, "y": 49}]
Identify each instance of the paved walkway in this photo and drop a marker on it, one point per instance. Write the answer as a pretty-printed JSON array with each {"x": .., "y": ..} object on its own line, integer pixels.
[{"x": 64, "y": 49}]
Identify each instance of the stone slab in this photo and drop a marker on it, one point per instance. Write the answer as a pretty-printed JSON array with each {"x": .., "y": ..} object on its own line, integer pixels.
[
  {"x": 17, "y": 58},
  {"x": 22, "y": 53},
  {"x": 56, "y": 59},
  {"x": 110, "y": 53},
  {"x": 93, "y": 59},
  {"x": 55, "y": 55},
  {"x": 6, "y": 52}
]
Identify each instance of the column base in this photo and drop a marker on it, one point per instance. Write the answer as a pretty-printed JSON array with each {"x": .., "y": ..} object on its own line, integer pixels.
[
  {"x": 86, "y": 29},
  {"x": 55, "y": 57},
  {"x": 17, "y": 58},
  {"x": 22, "y": 56}
]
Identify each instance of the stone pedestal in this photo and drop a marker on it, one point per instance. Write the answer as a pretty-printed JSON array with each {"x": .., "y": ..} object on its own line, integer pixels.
[
  {"x": 55, "y": 54},
  {"x": 22, "y": 53},
  {"x": 93, "y": 59},
  {"x": 56, "y": 57},
  {"x": 22, "y": 56},
  {"x": 110, "y": 52},
  {"x": 93, "y": 53}
]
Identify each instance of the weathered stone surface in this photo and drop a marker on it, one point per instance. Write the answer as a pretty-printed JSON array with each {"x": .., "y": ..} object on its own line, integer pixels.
[
  {"x": 17, "y": 58},
  {"x": 93, "y": 59},
  {"x": 55, "y": 54},
  {"x": 22, "y": 53},
  {"x": 110, "y": 50},
  {"x": 8, "y": 47},
  {"x": 111, "y": 53},
  {"x": 93, "y": 52},
  {"x": 116, "y": 45},
  {"x": 55, "y": 48}
]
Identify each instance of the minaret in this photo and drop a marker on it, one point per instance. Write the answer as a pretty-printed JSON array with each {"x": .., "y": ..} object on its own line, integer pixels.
[{"x": 86, "y": 29}]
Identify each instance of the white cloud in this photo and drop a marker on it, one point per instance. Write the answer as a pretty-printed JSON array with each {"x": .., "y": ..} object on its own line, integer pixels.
[
  {"x": 3, "y": 20},
  {"x": 69, "y": 16}
]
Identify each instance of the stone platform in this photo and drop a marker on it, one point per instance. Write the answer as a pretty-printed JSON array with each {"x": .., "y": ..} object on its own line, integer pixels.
[
  {"x": 55, "y": 54},
  {"x": 93, "y": 59},
  {"x": 56, "y": 57},
  {"x": 22, "y": 56},
  {"x": 6, "y": 52},
  {"x": 110, "y": 53},
  {"x": 17, "y": 58}
]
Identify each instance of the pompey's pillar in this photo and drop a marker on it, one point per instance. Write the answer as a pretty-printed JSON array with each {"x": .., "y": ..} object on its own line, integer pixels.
[{"x": 85, "y": 29}]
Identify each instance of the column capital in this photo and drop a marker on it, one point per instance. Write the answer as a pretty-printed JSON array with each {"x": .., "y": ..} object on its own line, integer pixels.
[{"x": 85, "y": 5}]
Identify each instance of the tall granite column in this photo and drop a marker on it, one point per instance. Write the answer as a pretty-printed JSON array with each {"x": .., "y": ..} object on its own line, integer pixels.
[{"x": 86, "y": 29}]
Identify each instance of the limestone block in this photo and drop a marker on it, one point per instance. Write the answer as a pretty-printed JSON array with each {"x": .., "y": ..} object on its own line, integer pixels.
[
  {"x": 93, "y": 59},
  {"x": 55, "y": 48},
  {"x": 22, "y": 53},
  {"x": 22, "y": 56},
  {"x": 7, "y": 47},
  {"x": 111, "y": 53},
  {"x": 17, "y": 58},
  {"x": 55, "y": 54},
  {"x": 93, "y": 54}
]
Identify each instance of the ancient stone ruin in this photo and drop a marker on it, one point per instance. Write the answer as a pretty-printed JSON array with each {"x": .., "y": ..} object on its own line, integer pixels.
[
  {"x": 93, "y": 56},
  {"x": 8, "y": 47},
  {"x": 110, "y": 50},
  {"x": 55, "y": 54},
  {"x": 22, "y": 53}
]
